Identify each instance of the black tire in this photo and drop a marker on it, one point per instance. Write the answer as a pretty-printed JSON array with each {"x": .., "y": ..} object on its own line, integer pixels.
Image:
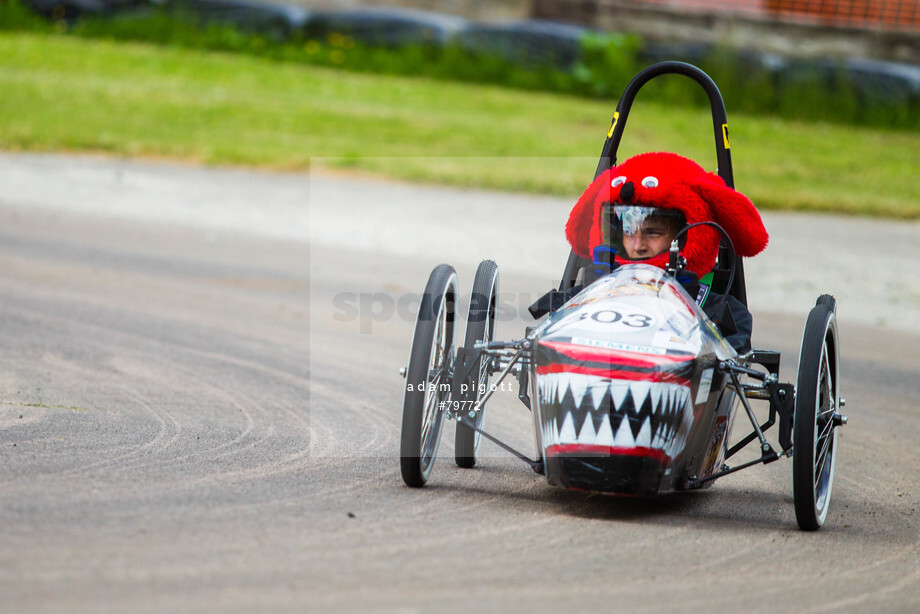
[
  {"x": 480, "y": 327},
  {"x": 814, "y": 430},
  {"x": 428, "y": 376}
]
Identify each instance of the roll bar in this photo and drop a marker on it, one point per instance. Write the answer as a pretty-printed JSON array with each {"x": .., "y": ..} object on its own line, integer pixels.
[{"x": 723, "y": 153}]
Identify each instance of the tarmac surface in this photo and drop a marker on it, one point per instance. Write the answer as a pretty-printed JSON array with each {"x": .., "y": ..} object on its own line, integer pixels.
[{"x": 200, "y": 406}]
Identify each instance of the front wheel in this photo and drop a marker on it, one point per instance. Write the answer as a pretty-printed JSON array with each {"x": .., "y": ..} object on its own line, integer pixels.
[
  {"x": 480, "y": 328},
  {"x": 814, "y": 431},
  {"x": 428, "y": 376}
]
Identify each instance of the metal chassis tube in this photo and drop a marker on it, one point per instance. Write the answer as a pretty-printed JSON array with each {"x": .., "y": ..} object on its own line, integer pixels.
[
  {"x": 492, "y": 350},
  {"x": 779, "y": 395}
]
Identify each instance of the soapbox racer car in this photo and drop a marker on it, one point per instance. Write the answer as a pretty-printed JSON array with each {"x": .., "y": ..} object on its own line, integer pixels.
[{"x": 632, "y": 388}]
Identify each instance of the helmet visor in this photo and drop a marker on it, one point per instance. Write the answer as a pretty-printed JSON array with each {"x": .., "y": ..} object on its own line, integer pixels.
[{"x": 639, "y": 233}]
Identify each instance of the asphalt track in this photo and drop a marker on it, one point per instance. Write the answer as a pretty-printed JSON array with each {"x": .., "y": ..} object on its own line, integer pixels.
[{"x": 199, "y": 411}]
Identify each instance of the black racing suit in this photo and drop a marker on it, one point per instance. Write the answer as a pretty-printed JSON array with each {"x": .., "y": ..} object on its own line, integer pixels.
[
  {"x": 730, "y": 315},
  {"x": 733, "y": 319}
]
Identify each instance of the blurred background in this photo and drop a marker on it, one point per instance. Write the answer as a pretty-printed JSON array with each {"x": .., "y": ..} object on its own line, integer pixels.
[
  {"x": 833, "y": 85},
  {"x": 871, "y": 48}
]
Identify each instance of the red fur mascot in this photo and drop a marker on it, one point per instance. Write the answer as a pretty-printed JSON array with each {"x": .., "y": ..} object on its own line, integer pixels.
[{"x": 669, "y": 181}]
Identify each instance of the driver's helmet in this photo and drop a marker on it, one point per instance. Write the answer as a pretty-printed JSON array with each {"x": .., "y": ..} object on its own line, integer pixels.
[{"x": 637, "y": 233}]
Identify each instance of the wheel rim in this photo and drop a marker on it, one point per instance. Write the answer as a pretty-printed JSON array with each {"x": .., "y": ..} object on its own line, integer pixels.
[
  {"x": 825, "y": 435},
  {"x": 480, "y": 329},
  {"x": 482, "y": 380},
  {"x": 437, "y": 367},
  {"x": 428, "y": 375},
  {"x": 815, "y": 419}
]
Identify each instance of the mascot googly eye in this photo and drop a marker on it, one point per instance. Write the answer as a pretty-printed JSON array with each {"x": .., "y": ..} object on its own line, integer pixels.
[{"x": 638, "y": 205}]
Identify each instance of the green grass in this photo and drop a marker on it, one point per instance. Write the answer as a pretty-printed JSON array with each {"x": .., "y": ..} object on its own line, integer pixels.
[{"x": 71, "y": 94}]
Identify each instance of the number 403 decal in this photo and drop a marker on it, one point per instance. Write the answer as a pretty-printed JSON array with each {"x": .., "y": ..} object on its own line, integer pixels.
[{"x": 610, "y": 316}]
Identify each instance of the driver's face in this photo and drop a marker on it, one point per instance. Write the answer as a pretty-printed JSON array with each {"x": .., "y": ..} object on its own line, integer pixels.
[{"x": 653, "y": 238}]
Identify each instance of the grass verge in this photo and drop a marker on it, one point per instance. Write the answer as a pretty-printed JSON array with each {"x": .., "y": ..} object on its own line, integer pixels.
[{"x": 63, "y": 93}]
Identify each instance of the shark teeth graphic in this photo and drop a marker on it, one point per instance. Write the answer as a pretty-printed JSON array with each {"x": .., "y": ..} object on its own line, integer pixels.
[
  {"x": 587, "y": 435},
  {"x": 567, "y": 431},
  {"x": 598, "y": 393},
  {"x": 590, "y": 410},
  {"x": 578, "y": 386},
  {"x": 624, "y": 438},
  {"x": 644, "y": 438}
]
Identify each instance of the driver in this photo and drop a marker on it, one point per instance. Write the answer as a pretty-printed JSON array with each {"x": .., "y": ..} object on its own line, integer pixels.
[
  {"x": 644, "y": 232},
  {"x": 632, "y": 212}
]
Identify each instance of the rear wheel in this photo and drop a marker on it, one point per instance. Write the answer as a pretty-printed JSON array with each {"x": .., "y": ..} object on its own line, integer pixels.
[
  {"x": 428, "y": 376},
  {"x": 814, "y": 431},
  {"x": 480, "y": 327}
]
